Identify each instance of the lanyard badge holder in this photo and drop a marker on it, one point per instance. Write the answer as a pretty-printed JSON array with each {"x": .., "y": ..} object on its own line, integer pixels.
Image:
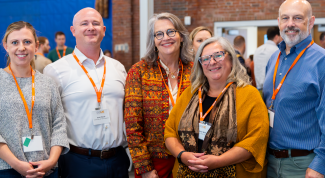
[
  {"x": 100, "y": 116},
  {"x": 205, "y": 126},
  {"x": 275, "y": 91}
]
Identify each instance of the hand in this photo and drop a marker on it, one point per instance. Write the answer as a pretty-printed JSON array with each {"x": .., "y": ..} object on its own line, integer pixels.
[
  {"x": 209, "y": 161},
  {"x": 42, "y": 168},
  {"x": 313, "y": 174},
  {"x": 187, "y": 156},
  {"x": 22, "y": 167},
  {"x": 150, "y": 174}
]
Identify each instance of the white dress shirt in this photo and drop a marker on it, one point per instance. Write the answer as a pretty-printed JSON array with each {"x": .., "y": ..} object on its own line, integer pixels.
[
  {"x": 261, "y": 57},
  {"x": 79, "y": 99},
  {"x": 174, "y": 90}
]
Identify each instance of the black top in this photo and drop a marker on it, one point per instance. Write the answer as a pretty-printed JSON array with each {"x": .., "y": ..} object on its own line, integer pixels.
[{"x": 206, "y": 104}]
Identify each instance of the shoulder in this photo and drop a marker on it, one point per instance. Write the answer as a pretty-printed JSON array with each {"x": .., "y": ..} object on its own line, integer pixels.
[
  {"x": 114, "y": 63},
  {"x": 70, "y": 49},
  {"x": 53, "y": 51},
  {"x": 247, "y": 93},
  {"x": 44, "y": 79},
  {"x": 142, "y": 65},
  {"x": 59, "y": 66}
]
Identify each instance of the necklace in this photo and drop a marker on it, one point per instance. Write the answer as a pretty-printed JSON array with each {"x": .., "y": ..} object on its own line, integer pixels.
[{"x": 173, "y": 74}]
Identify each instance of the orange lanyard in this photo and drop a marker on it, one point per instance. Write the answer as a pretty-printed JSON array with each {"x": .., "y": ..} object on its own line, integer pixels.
[
  {"x": 39, "y": 54},
  {"x": 214, "y": 103},
  {"x": 64, "y": 50},
  {"x": 275, "y": 91},
  {"x": 98, "y": 92},
  {"x": 29, "y": 114},
  {"x": 179, "y": 87}
]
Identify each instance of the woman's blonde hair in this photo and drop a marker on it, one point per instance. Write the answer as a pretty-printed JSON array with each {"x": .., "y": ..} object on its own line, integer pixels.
[
  {"x": 197, "y": 30},
  {"x": 151, "y": 54},
  {"x": 16, "y": 26},
  {"x": 238, "y": 72}
]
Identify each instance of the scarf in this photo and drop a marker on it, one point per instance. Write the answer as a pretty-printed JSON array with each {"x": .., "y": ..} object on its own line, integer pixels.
[{"x": 220, "y": 138}]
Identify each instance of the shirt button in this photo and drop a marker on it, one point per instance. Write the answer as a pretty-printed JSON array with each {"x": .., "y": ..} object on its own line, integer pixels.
[
  {"x": 105, "y": 127},
  {"x": 106, "y": 143},
  {"x": 280, "y": 74},
  {"x": 285, "y": 58}
]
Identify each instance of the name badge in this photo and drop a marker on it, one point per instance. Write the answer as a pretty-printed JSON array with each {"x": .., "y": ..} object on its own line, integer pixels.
[
  {"x": 203, "y": 129},
  {"x": 271, "y": 117},
  {"x": 101, "y": 116},
  {"x": 34, "y": 144}
]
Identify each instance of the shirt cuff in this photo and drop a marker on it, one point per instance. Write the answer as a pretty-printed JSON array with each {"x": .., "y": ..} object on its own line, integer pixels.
[
  {"x": 2, "y": 140},
  {"x": 318, "y": 165},
  {"x": 146, "y": 166}
]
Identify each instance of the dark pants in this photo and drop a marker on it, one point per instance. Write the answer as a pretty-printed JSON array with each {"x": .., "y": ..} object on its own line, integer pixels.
[
  {"x": 72, "y": 165},
  {"x": 11, "y": 173}
]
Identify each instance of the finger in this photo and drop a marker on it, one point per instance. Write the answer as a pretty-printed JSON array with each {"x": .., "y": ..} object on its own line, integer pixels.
[
  {"x": 198, "y": 154},
  {"x": 34, "y": 163},
  {"x": 195, "y": 169},
  {"x": 201, "y": 167},
  {"x": 197, "y": 161}
]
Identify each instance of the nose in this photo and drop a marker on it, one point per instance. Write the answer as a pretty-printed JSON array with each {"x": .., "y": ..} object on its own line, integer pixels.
[
  {"x": 90, "y": 27},
  {"x": 21, "y": 47},
  {"x": 212, "y": 61},
  {"x": 291, "y": 23},
  {"x": 166, "y": 37}
]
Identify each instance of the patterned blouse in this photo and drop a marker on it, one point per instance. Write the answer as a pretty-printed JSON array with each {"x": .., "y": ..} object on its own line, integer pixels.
[{"x": 146, "y": 111}]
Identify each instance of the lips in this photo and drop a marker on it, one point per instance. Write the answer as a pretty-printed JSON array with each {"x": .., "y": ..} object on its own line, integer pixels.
[
  {"x": 167, "y": 44},
  {"x": 215, "y": 69},
  {"x": 21, "y": 56}
]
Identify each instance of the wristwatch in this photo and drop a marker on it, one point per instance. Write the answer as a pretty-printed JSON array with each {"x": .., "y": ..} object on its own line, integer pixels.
[{"x": 179, "y": 156}]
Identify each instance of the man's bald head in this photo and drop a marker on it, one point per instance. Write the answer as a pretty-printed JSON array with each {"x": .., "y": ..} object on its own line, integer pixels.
[
  {"x": 299, "y": 4},
  {"x": 82, "y": 12}
]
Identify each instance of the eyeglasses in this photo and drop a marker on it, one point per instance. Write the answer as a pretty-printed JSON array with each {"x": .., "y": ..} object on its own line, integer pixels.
[
  {"x": 217, "y": 57},
  {"x": 170, "y": 32}
]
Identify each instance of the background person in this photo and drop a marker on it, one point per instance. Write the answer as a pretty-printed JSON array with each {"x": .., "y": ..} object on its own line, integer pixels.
[
  {"x": 60, "y": 50},
  {"x": 297, "y": 109},
  {"x": 322, "y": 40},
  {"x": 240, "y": 48},
  {"x": 198, "y": 35},
  {"x": 263, "y": 54},
  {"x": 40, "y": 60},
  {"x": 153, "y": 86},
  {"x": 32, "y": 122},
  {"x": 229, "y": 141},
  {"x": 107, "y": 53}
]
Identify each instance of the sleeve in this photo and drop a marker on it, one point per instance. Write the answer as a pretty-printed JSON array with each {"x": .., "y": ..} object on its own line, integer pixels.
[
  {"x": 257, "y": 132},
  {"x": 2, "y": 140},
  {"x": 59, "y": 126},
  {"x": 318, "y": 163},
  {"x": 134, "y": 122},
  {"x": 51, "y": 72}
]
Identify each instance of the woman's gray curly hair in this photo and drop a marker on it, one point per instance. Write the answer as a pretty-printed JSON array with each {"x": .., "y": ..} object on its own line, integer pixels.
[
  {"x": 185, "y": 53},
  {"x": 238, "y": 73}
]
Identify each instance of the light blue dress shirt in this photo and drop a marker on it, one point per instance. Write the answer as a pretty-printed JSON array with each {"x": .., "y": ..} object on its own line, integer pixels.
[{"x": 299, "y": 120}]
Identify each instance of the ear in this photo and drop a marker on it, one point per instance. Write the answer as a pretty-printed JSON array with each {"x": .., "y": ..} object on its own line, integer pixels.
[
  {"x": 5, "y": 46},
  {"x": 72, "y": 30},
  {"x": 279, "y": 22},
  {"x": 37, "y": 46},
  {"x": 311, "y": 22},
  {"x": 104, "y": 28}
]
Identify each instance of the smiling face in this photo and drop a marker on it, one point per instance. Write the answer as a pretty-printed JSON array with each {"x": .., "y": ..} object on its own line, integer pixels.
[
  {"x": 88, "y": 27},
  {"x": 167, "y": 45},
  {"x": 199, "y": 38},
  {"x": 216, "y": 71},
  {"x": 294, "y": 23},
  {"x": 21, "y": 47}
]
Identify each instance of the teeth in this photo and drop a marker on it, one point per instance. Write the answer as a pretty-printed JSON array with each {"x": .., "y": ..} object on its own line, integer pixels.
[
  {"x": 22, "y": 55},
  {"x": 215, "y": 69},
  {"x": 166, "y": 44}
]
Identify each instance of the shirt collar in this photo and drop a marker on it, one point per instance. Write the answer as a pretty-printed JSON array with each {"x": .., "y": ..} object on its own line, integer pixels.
[
  {"x": 298, "y": 47},
  {"x": 82, "y": 57},
  {"x": 270, "y": 42},
  {"x": 164, "y": 66}
]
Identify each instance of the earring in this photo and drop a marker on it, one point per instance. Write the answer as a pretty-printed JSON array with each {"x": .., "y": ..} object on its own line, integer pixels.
[
  {"x": 7, "y": 55},
  {"x": 181, "y": 44},
  {"x": 156, "y": 49}
]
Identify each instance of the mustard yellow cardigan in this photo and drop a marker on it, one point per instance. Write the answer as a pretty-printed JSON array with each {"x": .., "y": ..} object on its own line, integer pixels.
[{"x": 252, "y": 129}]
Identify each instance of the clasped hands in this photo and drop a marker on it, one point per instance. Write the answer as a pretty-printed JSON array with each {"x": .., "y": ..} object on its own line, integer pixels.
[
  {"x": 199, "y": 162},
  {"x": 26, "y": 169}
]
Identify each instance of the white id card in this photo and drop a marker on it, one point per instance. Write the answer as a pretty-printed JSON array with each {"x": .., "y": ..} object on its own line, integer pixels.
[
  {"x": 34, "y": 144},
  {"x": 271, "y": 117},
  {"x": 101, "y": 117},
  {"x": 203, "y": 130}
]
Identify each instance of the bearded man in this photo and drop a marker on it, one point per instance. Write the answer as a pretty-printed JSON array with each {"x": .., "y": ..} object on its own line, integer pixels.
[{"x": 293, "y": 92}]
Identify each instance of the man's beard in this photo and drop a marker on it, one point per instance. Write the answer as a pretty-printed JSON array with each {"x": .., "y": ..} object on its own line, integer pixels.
[{"x": 296, "y": 39}]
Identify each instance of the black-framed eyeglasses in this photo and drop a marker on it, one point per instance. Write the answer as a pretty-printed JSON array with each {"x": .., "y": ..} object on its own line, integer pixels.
[
  {"x": 170, "y": 32},
  {"x": 217, "y": 57}
]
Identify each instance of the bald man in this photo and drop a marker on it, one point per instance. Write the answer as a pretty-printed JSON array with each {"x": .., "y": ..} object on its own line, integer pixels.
[
  {"x": 296, "y": 101},
  {"x": 92, "y": 91}
]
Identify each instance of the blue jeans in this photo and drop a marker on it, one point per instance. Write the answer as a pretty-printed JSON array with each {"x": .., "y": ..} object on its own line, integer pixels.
[
  {"x": 11, "y": 173},
  {"x": 72, "y": 165},
  {"x": 293, "y": 167}
]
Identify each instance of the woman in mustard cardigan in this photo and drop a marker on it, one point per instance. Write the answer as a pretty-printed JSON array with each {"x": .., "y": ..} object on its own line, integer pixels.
[{"x": 219, "y": 127}]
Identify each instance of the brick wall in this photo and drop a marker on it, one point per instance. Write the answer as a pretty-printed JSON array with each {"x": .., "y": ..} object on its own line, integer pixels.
[{"x": 203, "y": 12}]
